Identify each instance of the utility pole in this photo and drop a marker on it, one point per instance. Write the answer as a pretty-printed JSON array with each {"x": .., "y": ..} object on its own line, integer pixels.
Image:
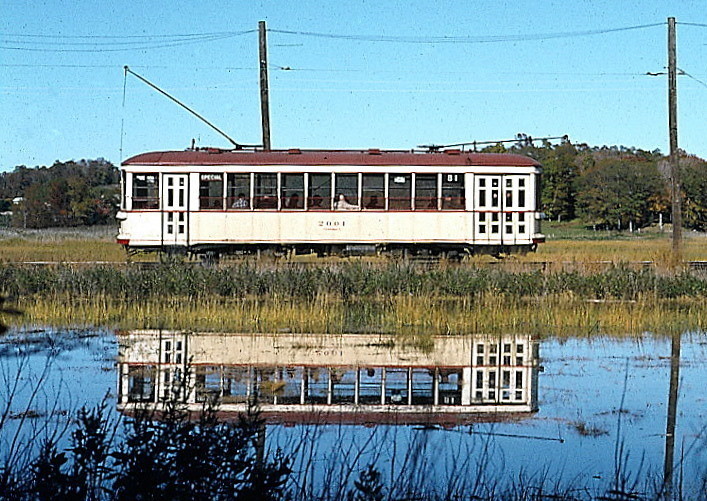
[
  {"x": 675, "y": 192},
  {"x": 264, "y": 97}
]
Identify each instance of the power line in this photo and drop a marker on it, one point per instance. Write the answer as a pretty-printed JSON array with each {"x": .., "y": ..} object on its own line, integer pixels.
[
  {"x": 61, "y": 47},
  {"x": 699, "y": 25},
  {"x": 463, "y": 39},
  {"x": 683, "y": 72},
  {"x": 117, "y": 66},
  {"x": 286, "y": 69},
  {"x": 119, "y": 37}
]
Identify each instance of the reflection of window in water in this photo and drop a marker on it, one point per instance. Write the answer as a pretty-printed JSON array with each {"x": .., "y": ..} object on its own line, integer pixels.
[
  {"x": 423, "y": 386},
  {"x": 267, "y": 384},
  {"x": 450, "y": 386},
  {"x": 291, "y": 379},
  {"x": 316, "y": 385},
  {"x": 207, "y": 382},
  {"x": 343, "y": 386},
  {"x": 141, "y": 383},
  {"x": 396, "y": 385},
  {"x": 370, "y": 380},
  {"x": 236, "y": 385}
]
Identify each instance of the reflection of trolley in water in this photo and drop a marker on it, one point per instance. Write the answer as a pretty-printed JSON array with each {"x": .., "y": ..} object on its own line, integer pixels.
[
  {"x": 445, "y": 202},
  {"x": 350, "y": 378}
]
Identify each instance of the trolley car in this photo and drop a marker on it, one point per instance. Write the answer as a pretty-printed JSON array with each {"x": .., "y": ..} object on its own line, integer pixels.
[{"x": 212, "y": 202}]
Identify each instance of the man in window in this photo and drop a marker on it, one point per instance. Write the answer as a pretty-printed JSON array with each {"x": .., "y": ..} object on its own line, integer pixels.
[{"x": 241, "y": 202}]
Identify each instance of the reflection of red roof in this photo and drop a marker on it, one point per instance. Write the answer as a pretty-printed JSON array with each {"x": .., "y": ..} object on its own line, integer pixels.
[
  {"x": 328, "y": 157},
  {"x": 374, "y": 417}
]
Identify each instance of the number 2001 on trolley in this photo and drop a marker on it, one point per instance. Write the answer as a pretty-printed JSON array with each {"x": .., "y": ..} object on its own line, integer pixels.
[{"x": 443, "y": 203}]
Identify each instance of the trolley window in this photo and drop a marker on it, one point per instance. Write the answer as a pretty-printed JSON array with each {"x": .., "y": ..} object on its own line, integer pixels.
[
  {"x": 453, "y": 191},
  {"x": 238, "y": 191},
  {"x": 399, "y": 191},
  {"x": 265, "y": 193},
  {"x": 373, "y": 191},
  {"x": 346, "y": 192},
  {"x": 211, "y": 191},
  {"x": 292, "y": 191},
  {"x": 319, "y": 196},
  {"x": 425, "y": 191},
  {"x": 146, "y": 191}
]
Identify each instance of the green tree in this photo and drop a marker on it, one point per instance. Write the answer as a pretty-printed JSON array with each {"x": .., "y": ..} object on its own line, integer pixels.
[
  {"x": 66, "y": 194},
  {"x": 619, "y": 192},
  {"x": 694, "y": 185},
  {"x": 558, "y": 181}
]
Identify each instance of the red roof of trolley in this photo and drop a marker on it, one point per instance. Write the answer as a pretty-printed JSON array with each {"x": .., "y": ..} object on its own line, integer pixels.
[{"x": 329, "y": 157}]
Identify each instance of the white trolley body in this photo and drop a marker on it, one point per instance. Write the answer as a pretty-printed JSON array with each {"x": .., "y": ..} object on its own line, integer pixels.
[{"x": 350, "y": 202}]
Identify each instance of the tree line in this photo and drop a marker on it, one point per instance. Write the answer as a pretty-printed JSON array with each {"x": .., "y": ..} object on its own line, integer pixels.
[
  {"x": 611, "y": 187},
  {"x": 86, "y": 192},
  {"x": 614, "y": 187}
]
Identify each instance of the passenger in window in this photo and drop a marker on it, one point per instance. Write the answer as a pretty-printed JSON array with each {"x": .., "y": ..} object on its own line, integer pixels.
[
  {"x": 343, "y": 204},
  {"x": 267, "y": 202},
  {"x": 240, "y": 202},
  {"x": 293, "y": 202},
  {"x": 374, "y": 203},
  {"x": 315, "y": 202}
]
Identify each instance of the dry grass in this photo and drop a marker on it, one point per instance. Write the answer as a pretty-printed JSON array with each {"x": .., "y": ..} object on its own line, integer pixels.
[
  {"x": 657, "y": 250},
  {"x": 572, "y": 244},
  {"x": 418, "y": 317},
  {"x": 60, "y": 244},
  {"x": 22, "y": 250}
]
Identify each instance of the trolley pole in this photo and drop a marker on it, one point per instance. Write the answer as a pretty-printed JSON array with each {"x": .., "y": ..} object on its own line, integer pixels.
[
  {"x": 264, "y": 96},
  {"x": 675, "y": 192}
]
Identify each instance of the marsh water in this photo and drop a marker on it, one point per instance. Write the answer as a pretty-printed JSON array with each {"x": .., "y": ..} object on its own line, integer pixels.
[{"x": 454, "y": 410}]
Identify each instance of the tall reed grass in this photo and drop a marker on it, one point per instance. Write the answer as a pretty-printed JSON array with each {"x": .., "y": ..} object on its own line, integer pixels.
[
  {"x": 346, "y": 280},
  {"x": 358, "y": 297},
  {"x": 415, "y": 318}
]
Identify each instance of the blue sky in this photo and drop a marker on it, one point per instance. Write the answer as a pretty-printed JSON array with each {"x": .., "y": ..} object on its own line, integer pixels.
[{"x": 61, "y": 89}]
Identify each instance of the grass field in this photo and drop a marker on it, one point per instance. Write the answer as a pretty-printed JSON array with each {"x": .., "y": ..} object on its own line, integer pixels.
[
  {"x": 95, "y": 243},
  {"x": 578, "y": 293},
  {"x": 566, "y": 242}
]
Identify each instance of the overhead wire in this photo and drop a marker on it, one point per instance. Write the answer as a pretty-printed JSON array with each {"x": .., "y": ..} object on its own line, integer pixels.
[
  {"x": 699, "y": 25},
  {"x": 59, "y": 46},
  {"x": 463, "y": 39},
  {"x": 683, "y": 72},
  {"x": 112, "y": 43},
  {"x": 174, "y": 35}
]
